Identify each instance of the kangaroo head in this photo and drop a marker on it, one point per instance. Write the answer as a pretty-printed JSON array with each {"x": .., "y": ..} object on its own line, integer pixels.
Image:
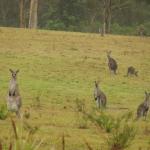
[
  {"x": 96, "y": 83},
  {"x": 14, "y": 73},
  {"x": 147, "y": 96},
  {"x": 108, "y": 54}
]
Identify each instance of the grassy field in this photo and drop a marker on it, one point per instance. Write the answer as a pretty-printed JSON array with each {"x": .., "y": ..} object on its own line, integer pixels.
[{"x": 56, "y": 68}]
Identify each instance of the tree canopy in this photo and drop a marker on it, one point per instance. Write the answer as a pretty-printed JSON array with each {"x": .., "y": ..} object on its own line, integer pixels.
[{"x": 121, "y": 16}]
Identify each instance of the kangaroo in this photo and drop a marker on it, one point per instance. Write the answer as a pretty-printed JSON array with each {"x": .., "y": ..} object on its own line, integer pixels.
[
  {"x": 14, "y": 101},
  {"x": 14, "y": 104},
  {"x": 99, "y": 96},
  {"x": 132, "y": 71},
  {"x": 112, "y": 63},
  {"x": 13, "y": 86},
  {"x": 143, "y": 108}
]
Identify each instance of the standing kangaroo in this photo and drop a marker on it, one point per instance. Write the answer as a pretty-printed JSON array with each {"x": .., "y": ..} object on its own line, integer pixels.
[
  {"x": 143, "y": 108},
  {"x": 14, "y": 99},
  {"x": 13, "y": 85},
  {"x": 99, "y": 96},
  {"x": 112, "y": 63},
  {"x": 132, "y": 71}
]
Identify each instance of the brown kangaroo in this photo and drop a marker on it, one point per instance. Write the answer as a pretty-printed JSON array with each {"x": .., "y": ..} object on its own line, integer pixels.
[
  {"x": 112, "y": 63},
  {"x": 143, "y": 108},
  {"x": 99, "y": 96},
  {"x": 14, "y": 101},
  {"x": 132, "y": 71}
]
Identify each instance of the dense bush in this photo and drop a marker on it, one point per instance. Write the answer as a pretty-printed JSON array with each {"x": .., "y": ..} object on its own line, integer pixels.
[
  {"x": 55, "y": 25},
  {"x": 81, "y": 15},
  {"x": 130, "y": 30},
  {"x": 121, "y": 130},
  {"x": 121, "y": 138}
]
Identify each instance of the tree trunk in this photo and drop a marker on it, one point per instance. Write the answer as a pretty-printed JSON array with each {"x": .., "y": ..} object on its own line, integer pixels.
[
  {"x": 33, "y": 14},
  {"x": 4, "y": 13},
  {"x": 109, "y": 16},
  {"x": 104, "y": 19},
  {"x": 22, "y": 25}
]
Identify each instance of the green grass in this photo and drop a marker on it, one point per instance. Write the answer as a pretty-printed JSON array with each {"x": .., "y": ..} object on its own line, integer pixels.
[{"x": 61, "y": 67}]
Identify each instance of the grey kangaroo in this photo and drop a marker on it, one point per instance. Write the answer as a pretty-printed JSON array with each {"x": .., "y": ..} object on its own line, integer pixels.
[
  {"x": 112, "y": 63},
  {"x": 132, "y": 71},
  {"x": 143, "y": 108},
  {"x": 99, "y": 96},
  {"x": 13, "y": 85},
  {"x": 14, "y": 101}
]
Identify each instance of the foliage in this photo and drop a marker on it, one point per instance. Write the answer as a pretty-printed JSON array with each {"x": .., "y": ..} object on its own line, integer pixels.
[
  {"x": 55, "y": 25},
  {"x": 80, "y": 15},
  {"x": 122, "y": 137},
  {"x": 121, "y": 133},
  {"x": 147, "y": 28},
  {"x": 104, "y": 121},
  {"x": 125, "y": 30}
]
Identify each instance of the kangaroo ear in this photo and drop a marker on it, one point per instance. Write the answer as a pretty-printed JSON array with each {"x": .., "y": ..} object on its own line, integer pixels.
[
  {"x": 146, "y": 93},
  {"x": 108, "y": 52},
  {"x": 11, "y": 70},
  {"x": 17, "y": 71}
]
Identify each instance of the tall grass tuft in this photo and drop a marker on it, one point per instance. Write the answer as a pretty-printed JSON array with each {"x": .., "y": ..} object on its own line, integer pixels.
[
  {"x": 21, "y": 142},
  {"x": 121, "y": 130},
  {"x": 103, "y": 121},
  {"x": 63, "y": 142},
  {"x": 121, "y": 138}
]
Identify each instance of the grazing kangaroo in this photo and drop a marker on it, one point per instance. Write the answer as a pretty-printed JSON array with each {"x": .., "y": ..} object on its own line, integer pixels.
[
  {"x": 144, "y": 107},
  {"x": 14, "y": 99},
  {"x": 132, "y": 71},
  {"x": 99, "y": 96},
  {"x": 112, "y": 63}
]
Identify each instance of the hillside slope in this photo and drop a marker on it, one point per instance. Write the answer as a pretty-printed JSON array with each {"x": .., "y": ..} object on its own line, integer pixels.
[{"x": 56, "y": 68}]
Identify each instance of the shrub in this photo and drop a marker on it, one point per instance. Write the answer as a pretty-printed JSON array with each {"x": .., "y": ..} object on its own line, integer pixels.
[
  {"x": 123, "y": 30},
  {"x": 121, "y": 138},
  {"x": 147, "y": 28},
  {"x": 55, "y": 25},
  {"x": 105, "y": 122},
  {"x": 121, "y": 133}
]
